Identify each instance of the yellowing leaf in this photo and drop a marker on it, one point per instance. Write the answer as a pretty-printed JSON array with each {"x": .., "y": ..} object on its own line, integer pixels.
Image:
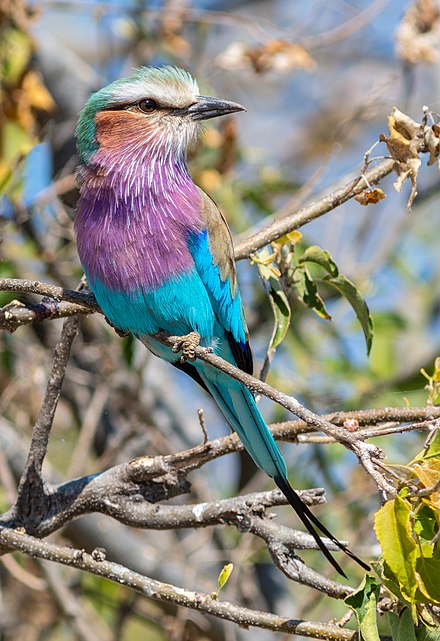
[
  {"x": 392, "y": 527},
  {"x": 268, "y": 271},
  {"x": 292, "y": 237},
  {"x": 36, "y": 93},
  {"x": 15, "y": 51},
  {"x": 433, "y": 450},
  {"x": 15, "y": 144},
  {"x": 429, "y": 474},
  {"x": 433, "y": 386}
]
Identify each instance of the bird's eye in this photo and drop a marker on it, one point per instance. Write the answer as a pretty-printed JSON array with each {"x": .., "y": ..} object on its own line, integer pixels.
[{"x": 147, "y": 105}]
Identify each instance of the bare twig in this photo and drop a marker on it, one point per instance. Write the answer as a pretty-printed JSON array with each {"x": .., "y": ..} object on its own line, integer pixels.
[
  {"x": 365, "y": 453},
  {"x": 316, "y": 209},
  {"x": 31, "y": 503}
]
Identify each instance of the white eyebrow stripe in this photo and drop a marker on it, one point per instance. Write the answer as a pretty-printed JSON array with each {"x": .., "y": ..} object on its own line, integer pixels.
[{"x": 173, "y": 93}]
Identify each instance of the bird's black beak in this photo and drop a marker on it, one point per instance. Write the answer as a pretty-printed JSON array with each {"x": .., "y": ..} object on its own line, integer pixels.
[{"x": 207, "y": 107}]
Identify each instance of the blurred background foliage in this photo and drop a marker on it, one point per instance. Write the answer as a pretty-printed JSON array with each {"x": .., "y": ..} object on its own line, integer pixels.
[{"x": 319, "y": 80}]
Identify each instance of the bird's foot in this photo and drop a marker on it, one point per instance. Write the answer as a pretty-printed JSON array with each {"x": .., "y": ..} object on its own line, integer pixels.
[{"x": 187, "y": 345}]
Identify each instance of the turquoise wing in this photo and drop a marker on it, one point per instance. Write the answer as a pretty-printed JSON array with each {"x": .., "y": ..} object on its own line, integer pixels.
[{"x": 213, "y": 255}]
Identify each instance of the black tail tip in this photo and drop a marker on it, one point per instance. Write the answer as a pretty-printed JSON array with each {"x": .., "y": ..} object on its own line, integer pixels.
[{"x": 310, "y": 521}]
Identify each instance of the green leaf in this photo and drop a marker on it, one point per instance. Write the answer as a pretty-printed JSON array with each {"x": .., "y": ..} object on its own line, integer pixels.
[
  {"x": 402, "y": 627},
  {"x": 425, "y": 523},
  {"x": 364, "y": 601},
  {"x": 322, "y": 257},
  {"x": 308, "y": 292},
  {"x": 433, "y": 450},
  {"x": 425, "y": 634},
  {"x": 428, "y": 570},
  {"x": 281, "y": 312},
  {"x": 357, "y": 301},
  {"x": 390, "y": 320},
  {"x": 15, "y": 51},
  {"x": 224, "y": 575},
  {"x": 393, "y": 529}
]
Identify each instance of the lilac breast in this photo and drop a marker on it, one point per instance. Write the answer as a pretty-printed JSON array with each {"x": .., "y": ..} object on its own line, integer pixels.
[{"x": 132, "y": 227}]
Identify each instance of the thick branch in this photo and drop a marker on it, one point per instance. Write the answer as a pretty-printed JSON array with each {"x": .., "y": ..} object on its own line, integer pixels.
[
  {"x": 114, "y": 493},
  {"x": 16, "y": 314},
  {"x": 166, "y": 592},
  {"x": 23, "y": 286}
]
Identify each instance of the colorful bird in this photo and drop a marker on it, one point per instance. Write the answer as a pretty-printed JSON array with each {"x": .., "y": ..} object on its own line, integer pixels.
[{"x": 157, "y": 251}]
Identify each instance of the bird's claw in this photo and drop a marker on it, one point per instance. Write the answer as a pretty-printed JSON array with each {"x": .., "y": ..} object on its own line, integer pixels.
[{"x": 187, "y": 345}]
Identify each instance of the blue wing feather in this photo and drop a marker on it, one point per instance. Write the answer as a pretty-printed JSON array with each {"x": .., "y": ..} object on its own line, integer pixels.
[{"x": 221, "y": 287}]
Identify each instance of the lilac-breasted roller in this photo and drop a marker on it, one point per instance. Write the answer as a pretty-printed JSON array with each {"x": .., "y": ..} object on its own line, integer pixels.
[{"x": 158, "y": 253}]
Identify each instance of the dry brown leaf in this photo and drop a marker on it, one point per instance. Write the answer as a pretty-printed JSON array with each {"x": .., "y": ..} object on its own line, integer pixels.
[
  {"x": 432, "y": 140},
  {"x": 418, "y": 34},
  {"x": 370, "y": 196},
  {"x": 401, "y": 126},
  {"x": 284, "y": 56},
  {"x": 403, "y": 145},
  {"x": 279, "y": 55}
]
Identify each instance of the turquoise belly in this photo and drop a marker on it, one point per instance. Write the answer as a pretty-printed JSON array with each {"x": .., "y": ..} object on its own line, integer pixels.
[{"x": 179, "y": 306}]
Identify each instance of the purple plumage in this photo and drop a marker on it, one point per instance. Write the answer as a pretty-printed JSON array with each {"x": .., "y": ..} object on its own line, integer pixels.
[{"x": 132, "y": 193}]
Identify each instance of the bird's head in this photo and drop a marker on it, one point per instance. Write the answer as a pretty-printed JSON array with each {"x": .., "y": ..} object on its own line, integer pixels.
[{"x": 157, "y": 108}]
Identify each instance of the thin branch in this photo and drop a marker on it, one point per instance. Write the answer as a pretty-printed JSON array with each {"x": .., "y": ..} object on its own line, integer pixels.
[
  {"x": 365, "y": 453},
  {"x": 134, "y": 503},
  {"x": 316, "y": 209},
  {"x": 15, "y": 540},
  {"x": 31, "y": 494}
]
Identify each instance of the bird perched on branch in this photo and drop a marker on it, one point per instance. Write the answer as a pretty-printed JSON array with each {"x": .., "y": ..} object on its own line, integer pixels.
[{"x": 158, "y": 253}]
